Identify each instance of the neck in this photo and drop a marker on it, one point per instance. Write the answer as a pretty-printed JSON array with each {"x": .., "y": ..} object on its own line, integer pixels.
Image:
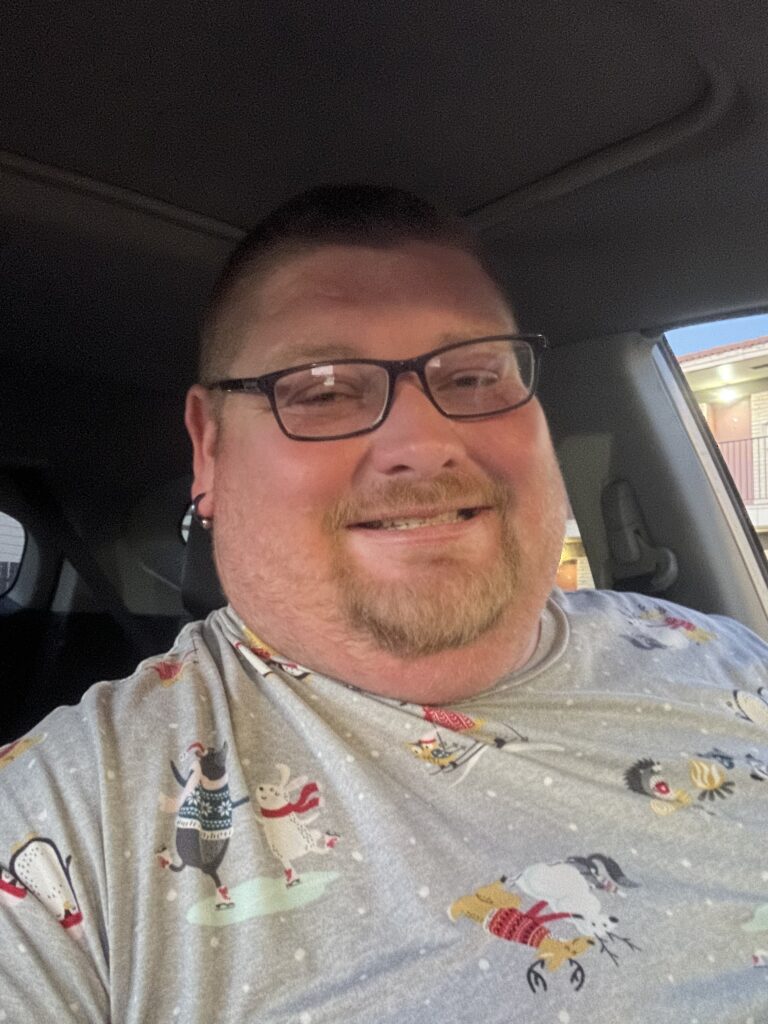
[{"x": 444, "y": 677}]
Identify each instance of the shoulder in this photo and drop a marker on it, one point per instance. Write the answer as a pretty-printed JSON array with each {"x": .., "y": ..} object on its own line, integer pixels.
[
  {"x": 72, "y": 748},
  {"x": 90, "y": 769},
  {"x": 653, "y": 621}
]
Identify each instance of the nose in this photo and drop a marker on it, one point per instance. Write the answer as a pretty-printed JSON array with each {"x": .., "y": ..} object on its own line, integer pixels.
[{"x": 415, "y": 440}]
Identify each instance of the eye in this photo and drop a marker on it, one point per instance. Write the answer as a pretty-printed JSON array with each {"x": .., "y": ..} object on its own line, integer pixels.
[
  {"x": 320, "y": 395},
  {"x": 473, "y": 369},
  {"x": 322, "y": 387},
  {"x": 473, "y": 379}
]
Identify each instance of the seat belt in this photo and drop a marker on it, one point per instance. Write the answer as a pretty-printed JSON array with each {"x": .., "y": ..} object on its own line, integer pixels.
[{"x": 636, "y": 562}]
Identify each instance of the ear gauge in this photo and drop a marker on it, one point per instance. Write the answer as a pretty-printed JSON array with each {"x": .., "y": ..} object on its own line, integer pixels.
[{"x": 205, "y": 521}]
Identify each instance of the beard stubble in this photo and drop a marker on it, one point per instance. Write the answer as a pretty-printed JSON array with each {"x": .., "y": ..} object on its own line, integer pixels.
[{"x": 448, "y": 603}]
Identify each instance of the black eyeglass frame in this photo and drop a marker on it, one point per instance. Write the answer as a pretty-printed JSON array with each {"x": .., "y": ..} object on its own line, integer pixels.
[{"x": 265, "y": 384}]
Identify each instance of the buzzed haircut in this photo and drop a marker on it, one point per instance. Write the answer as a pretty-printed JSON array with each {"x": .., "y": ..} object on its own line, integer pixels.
[{"x": 372, "y": 216}]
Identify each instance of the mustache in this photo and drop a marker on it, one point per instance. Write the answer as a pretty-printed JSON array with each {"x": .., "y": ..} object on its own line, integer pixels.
[{"x": 385, "y": 501}]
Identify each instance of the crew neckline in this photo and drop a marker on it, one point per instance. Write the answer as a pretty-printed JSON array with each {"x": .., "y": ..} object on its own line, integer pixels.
[{"x": 554, "y": 632}]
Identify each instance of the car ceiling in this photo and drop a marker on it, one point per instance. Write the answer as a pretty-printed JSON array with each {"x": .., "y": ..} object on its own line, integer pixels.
[{"x": 611, "y": 152}]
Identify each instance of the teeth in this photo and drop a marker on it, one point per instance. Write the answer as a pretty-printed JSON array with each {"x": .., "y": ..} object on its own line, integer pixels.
[{"x": 410, "y": 524}]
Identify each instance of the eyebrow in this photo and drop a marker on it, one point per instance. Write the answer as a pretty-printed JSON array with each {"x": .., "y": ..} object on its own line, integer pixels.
[
  {"x": 297, "y": 353},
  {"x": 309, "y": 353}
]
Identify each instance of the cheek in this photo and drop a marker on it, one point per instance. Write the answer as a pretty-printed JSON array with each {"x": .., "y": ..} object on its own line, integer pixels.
[
  {"x": 517, "y": 448},
  {"x": 283, "y": 483}
]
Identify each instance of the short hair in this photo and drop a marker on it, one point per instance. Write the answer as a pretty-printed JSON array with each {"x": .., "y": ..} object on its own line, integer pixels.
[{"x": 373, "y": 216}]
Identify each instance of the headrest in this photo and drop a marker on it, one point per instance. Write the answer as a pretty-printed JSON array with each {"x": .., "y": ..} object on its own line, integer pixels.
[{"x": 200, "y": 588}]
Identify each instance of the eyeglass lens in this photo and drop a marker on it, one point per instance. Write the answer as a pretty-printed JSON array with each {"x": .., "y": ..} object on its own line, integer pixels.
[{"x": 344, "y": 397}]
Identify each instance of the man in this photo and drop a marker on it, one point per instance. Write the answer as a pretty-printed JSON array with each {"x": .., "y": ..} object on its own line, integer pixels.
[{"x": 395, "y": 777}]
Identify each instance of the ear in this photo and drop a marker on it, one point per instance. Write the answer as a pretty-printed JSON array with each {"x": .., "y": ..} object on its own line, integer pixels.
[{"x": 203, "y": 429}]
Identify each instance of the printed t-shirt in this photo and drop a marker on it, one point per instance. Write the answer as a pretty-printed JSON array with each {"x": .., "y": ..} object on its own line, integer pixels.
[{"x": 227, "y": 835}]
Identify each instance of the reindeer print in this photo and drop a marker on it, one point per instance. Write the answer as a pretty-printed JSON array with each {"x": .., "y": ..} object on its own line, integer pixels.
[
  {"x": 567, "y": 887},
  {"x": 286, "y": 827},
  {"x": 498, "y": 911},
  {"x": 563, "y": 896}
]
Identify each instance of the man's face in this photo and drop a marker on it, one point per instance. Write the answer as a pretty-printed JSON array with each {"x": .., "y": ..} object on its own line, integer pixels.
[{"x": 358, "y": 539}]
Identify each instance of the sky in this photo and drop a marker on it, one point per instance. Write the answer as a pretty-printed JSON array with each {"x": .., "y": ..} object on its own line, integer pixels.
[{"x": 718, "y": 332}]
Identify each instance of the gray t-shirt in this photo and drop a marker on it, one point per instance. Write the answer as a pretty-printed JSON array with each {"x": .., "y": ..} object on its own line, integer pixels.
[{"x": 228, "y": 836}]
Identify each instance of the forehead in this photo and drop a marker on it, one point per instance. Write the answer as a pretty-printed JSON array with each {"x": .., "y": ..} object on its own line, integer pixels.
[{"x": 355, "y": 298}]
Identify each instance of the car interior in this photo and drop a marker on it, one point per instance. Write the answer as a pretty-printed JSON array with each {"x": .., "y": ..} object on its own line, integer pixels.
[{"x": 611, "y": 155}]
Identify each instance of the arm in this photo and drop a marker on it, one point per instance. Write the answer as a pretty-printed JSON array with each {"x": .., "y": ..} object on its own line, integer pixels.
[
  {"x": 53, "y": 962},
  {"x": 47, "y": 973}
]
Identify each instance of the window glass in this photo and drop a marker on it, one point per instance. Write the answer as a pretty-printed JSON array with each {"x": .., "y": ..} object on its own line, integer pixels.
[
  {"x": 726, "y": 366},
  {"x": 573, "y": 572},
  {"x": 186, "y": 522},
  {"x": 12, "y": 538}
]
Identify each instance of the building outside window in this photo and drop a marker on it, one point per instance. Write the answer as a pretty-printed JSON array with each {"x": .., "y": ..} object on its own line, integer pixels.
[
  {"x": 574, "y": 572},
  {"x": 730, "y": 383},
  {"x": 729, "y": 380},
  {"x": 12, "y": 539}
]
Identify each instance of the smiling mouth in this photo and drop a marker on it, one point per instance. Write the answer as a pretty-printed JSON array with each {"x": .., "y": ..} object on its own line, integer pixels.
[{"x": 457, "y": 515}]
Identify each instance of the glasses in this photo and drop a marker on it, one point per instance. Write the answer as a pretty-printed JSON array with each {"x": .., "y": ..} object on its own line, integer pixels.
[{"x": 327, "y": 401}]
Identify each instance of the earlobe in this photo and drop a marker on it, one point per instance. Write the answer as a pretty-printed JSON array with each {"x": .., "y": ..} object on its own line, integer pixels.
[{"x": 202, "y": 427}]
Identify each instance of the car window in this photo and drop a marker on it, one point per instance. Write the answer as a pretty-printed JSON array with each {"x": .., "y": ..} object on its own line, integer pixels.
[
  {"x": 726, "y": 367},
  {"x": 185, "y": 523},
  {"x": 12, "y": 540},
  {"x": 574, "y": 572}
]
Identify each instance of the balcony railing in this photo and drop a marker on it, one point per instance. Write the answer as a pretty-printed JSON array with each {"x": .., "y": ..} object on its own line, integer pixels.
[{"x": 747, "y": 459}]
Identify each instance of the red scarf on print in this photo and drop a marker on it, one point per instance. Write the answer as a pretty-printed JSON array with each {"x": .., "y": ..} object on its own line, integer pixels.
[{"x": 308, "y": 798}]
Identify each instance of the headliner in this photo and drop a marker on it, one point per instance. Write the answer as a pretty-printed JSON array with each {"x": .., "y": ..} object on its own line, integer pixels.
[{"x": 613, "y": 153}]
